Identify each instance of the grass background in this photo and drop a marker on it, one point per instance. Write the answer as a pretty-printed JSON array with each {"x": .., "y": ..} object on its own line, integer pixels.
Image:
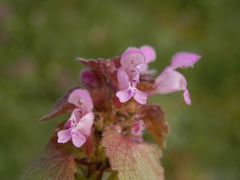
[{"x": 40, "y": 39}]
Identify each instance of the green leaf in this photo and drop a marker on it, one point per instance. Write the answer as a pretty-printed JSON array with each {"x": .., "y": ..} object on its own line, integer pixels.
[{"x": 132, "y": 160}]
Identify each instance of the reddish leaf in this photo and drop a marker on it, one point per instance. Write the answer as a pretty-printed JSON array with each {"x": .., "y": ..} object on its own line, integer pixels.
[
  {"x": 90, "y": 79},
  {"x": 55, "y": 163},
  {"x": 103, "y": 67},
  {"x": 133, "y": 161},
  {"x": 105, "y": 70},
  {"x": 153, "y": 117},
  {"x": 101, "y": 98},
  {"x": 62, "y": 106}
]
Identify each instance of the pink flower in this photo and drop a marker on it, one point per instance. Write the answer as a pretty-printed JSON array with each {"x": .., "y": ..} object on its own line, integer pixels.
[
  {"x": 171, "y": 81},
  {"x": 128, "y": 87},
  {"x": 138, "y": 128},
  {"x": 133, "y": 62},
  {"x": 81, "y": 99},
  {"x": 78, "y": 128}
]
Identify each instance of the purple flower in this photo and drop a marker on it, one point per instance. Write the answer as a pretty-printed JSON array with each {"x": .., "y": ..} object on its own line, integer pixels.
[
  {"x": 82, "y": 100},
  {"x": 128, "y": 88},
  {"x": 134, "y": 62},
  {"x": 78, "y": 128},
  {"x": 171, "y": 81}
]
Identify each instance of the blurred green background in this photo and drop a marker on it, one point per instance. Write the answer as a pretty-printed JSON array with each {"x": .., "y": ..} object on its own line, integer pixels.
[{"x": 40, "y": 39}]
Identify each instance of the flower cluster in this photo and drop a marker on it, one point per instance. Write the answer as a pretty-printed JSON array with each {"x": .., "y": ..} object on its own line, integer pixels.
[
  {"x": 110, "y": 113},
  {"x": 133, "y": 63}
]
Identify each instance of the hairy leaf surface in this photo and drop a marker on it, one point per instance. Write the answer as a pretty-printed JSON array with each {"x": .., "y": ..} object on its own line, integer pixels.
[
  {"x": 153, "y": 117},
  {"x": 132, "y": 160},
  {"x": 55, "y": 163}
]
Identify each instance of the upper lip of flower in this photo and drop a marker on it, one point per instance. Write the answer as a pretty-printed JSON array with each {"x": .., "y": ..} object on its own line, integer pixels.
[
  {"x": 131, "y": 58},
  {"x": 81, "y": 99}
]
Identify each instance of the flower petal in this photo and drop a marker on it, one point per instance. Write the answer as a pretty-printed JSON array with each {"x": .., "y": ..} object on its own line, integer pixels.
[
  {"x": 131, "y": 58},
  {"x": 64, "y": 136},
  {"x": 140, "y": 96},
  {"x": 123, "y": 80},
  {"x": 85, "y": 124},
  {"x": 184, "y": 60},
  {"x": 124, "y": 95},
  {"x": 134, "y": 76},
  {"x": 81, "y": 99},
  {"x": 76, "y": 116},
  {"x": 186, "y": 97},
  {"x": 143, "y": 68},
  {"x": 78, "y": 139},
  {"x": 149, "y": 53},
  {"x": 170, "y": 81}
]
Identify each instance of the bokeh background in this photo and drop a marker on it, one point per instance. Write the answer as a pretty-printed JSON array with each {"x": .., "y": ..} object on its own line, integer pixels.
[{"x": 40, "y": 39}]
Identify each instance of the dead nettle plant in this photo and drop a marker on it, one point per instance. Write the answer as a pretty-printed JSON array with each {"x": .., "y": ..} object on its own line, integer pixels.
[{"x": 103, "y": 137}]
